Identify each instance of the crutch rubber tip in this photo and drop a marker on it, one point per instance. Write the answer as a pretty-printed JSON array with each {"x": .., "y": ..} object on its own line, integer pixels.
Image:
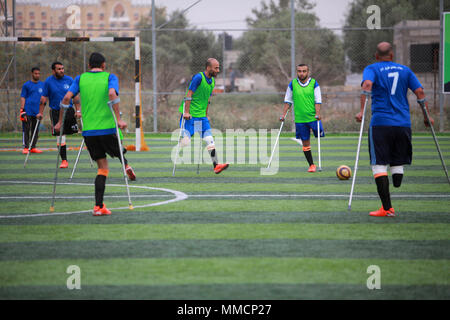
[
  {"x": 349, "y": 208},
  {"x": 52, "y": 209}
]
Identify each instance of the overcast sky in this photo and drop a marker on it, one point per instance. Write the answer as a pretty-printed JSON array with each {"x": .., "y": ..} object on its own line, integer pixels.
[{"x": 223, "y": 14}]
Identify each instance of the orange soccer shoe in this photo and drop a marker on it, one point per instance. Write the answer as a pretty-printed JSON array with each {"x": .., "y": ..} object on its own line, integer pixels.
[
  {"x": 220, "y": 167},
  {"x": 64, "y": 164},
  {"x": 34, "y": 150},
  {"x": 25, "y": 151},
  {"x": 130, "y": 173},
  {"x": 312, "y": 168},
  {"x": 101, "y": 211},
  {"x": 383, "y": 213}
]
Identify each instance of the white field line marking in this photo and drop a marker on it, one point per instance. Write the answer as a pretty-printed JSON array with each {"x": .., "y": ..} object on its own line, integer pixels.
[
  {"x": 323, "y": 196},
  {"x": 179, "y": 196}
]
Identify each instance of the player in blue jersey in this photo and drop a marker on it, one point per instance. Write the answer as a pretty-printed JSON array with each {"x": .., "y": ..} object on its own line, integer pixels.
[
  {"x": 30, "y": 98},
  {"x": 55, "y": 87},
  {"x": 390, "y": 126}
]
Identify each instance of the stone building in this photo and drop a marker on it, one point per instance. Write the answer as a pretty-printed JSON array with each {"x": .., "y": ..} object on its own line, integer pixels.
[
  {"x": 416, "y": 44},
  {"x": 91, "y": 18}
]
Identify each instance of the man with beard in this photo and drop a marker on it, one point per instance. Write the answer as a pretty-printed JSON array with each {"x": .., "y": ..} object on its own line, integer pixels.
[
  {"x": 195, "y": 113},
  {"x": 304, "y": 93},
  {"x": 29, "y": 107},
  {"x": 55, "y": 87}
]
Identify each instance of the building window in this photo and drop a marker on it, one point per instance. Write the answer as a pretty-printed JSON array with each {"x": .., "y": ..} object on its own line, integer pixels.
[
  {"x": 19, "y": 15},
  {"x": 89, "y": 16},
  {"x": 119, "y": 11},
  {"x": 19, "y": 25},
  {"x": 125, "y": 24},
  {"x": 90, "y": 26},
  {"x": 43, "y": 15},
  {"x": 101, "y": 25},
  {"x": 102, "y": 16},
  {"x": 32, "y": 15},
  {"x": 44, "y": 34},
  {"x": 136, "y": 16},
  {"x": 44, "y": 25},
  {"x": 112, "y": 25},
  {"x": 32, "y": 24}
]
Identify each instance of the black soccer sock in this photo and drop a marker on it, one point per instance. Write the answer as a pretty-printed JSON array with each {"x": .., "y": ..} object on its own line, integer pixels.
[
  {"x": 100, "y": 182},
  {"x": 63, "y": 152},
  {"x": 397, "y": 179},
  {"x": 308, "y": 155},
  {"x": 213, "y": 155},
  {"x": 383, "y": 191}
]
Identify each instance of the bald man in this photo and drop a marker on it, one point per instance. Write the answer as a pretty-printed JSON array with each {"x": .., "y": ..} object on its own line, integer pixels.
[
  {"x": 390, "y": 126},
  {"x": 195, "y": 111}
]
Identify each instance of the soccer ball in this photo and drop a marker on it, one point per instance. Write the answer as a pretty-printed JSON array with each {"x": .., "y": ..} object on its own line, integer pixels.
[{"x": 343, "y": 172}]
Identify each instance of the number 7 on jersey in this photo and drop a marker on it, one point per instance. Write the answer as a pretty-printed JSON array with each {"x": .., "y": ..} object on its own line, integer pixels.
[{"x": 394, "y": 84}]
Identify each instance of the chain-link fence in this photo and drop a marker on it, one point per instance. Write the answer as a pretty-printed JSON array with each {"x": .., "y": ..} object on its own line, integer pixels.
[{"x": 256, "y": 68}]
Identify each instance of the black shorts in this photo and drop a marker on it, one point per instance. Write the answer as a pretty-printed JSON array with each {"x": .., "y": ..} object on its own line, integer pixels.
[
  {"x": 390, "y": 145},
  {"x": 70, "y": 123},
  {"x": 99, "y": 146}
]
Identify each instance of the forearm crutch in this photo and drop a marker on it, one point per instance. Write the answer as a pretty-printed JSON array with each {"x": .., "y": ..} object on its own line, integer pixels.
[
  {"x": 64, "y": 108},
  {"x": 357, "y": 151},
  {"x": 278, "y": 138},
  {"x": 110, "y": 104},
  {"x": 425, "y": 112},
  {"x": 318, "y": 144},
  {"x": 179, "y": 141},
  {"x": 31, "y": 142},
  {"x": 78, "y": 156}
]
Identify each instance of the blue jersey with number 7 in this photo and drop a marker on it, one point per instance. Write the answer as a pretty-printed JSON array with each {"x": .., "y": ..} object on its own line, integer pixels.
[{"x": 391, "y": 82}]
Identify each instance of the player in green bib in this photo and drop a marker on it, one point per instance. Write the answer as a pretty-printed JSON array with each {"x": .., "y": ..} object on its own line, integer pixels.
[
  {"x": 97, "y": 88},
  {"x": 195, "y": 110},
  {"x": 304, "y": 93}
]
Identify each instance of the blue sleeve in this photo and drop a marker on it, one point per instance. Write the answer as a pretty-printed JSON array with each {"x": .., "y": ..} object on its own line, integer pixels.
[
  {"x": 45, "y": 89},
  {"x": 413, "y": 82},
  {"x": 195, "y": 82},
  {"x": 290, "y": 86},
  {"x": 316, "y": 84},
  {"x": 113, "y": 83},
  {"x": 24, "y": 93},
  {"x": 368, "y": 74},
  {"x": 75, "y": 86}
]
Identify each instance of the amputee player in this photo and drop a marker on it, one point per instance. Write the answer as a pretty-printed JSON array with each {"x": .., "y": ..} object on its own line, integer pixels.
[
  {"x": 55, "y": 87},
  {"x": 390, "y": 126},
  {"x": 30, "y": 98},
  {"x": 196, "y": 105},
  {"x": 96, "y": 88},
  {"x": 304, "y": 93}
]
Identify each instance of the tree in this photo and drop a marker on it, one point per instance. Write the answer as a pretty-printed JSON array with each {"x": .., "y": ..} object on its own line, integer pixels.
[
  {"x": 268, "y": 52},
  {"x": 360, "y": 44},
  {"x": 180, "y": 52}
]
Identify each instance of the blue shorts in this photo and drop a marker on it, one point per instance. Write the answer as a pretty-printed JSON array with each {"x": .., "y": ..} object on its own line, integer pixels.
[
  {"x": 194, "y": 125},
  {"x": 303, "y": 130},
  {"x": 390, "y": 145}
]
